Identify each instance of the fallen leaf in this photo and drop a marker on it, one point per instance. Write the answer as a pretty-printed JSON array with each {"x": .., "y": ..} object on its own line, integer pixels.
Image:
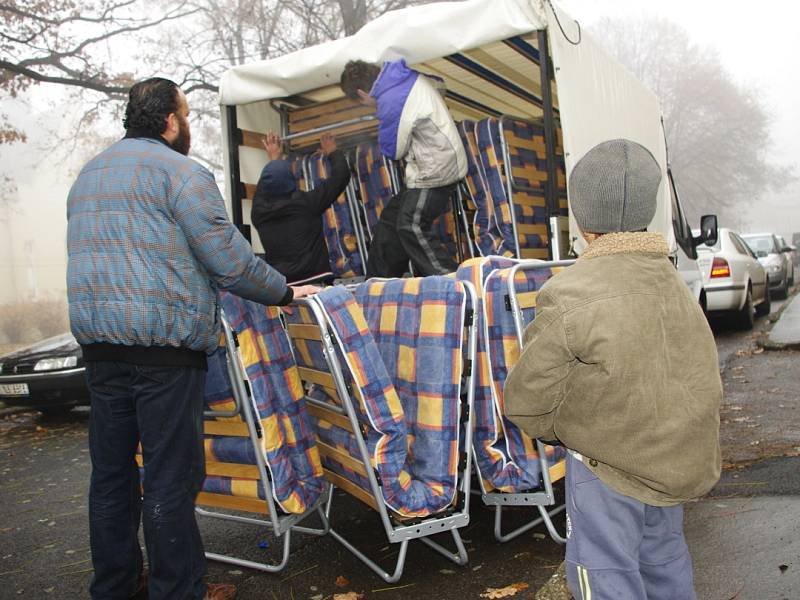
[
  {"x": 342, "y": 581},
  {"x": 348, "y": 596},
  {"x": 506, "y": 592}
]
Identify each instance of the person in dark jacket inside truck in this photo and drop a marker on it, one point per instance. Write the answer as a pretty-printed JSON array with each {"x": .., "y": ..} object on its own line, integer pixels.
[{"x": 289, "y": 221}]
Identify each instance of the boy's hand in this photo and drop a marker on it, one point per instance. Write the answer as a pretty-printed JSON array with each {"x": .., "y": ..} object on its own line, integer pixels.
[
  {"x": 273, "y": 146},
  {"x": 327, "y": 143}
]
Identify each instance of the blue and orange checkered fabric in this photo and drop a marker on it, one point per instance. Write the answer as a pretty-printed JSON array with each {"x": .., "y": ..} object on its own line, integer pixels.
[
  {"x": 337, "y": 224},
  {"x": 309, "y": 354},
  {"x": 485, "y": 230},
  {"x": 414, "y": 451},
  {"x": 297, "y": 164},
  {"x": 418, "y": 326},
  {"x": 288, "y": 440},
  {"x": 374, "y": 181},
  {"x": 502, "y": 352},
  {"x": 528, "y": 153},
  {"x": 507, "y": 459},
  {"x": 529, "y": 206}
]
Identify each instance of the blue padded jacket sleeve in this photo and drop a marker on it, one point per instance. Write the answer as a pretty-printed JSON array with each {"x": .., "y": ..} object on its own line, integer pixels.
[{"x": 224, "y": 252}]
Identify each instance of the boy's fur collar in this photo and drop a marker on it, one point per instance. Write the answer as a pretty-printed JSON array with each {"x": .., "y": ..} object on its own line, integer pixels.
[{"x": 627, "y": 243}]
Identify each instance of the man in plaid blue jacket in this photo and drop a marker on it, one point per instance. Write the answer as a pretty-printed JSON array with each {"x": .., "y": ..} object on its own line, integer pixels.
[{"x": 149, "y": 245}]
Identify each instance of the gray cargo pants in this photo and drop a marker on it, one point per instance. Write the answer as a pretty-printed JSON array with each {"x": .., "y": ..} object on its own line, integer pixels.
[{"x": 619, "y": 548}]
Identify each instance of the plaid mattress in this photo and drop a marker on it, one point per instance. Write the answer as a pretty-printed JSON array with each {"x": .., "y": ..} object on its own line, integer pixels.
[
  {"x": 374, "y": 181},
  {"x": 529, "y": 206},
  {"x": 418, "y": 325},
  {"x": 288, "y": 436},
  {"x": 411, "y": 427},
  {"x": 309, "y": 354},
  {"x": 297, "y": 164},
  {"x": 507, "y": 459},
  {"x": 337, "y": 224},
  {"x": 485, "y": 229}
]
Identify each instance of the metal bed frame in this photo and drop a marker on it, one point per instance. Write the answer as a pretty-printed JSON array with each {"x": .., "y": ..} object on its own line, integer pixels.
[
  {"x": 540, "y": 499},
  {"x": 399, "y": 531},
  {"x": 280, "y": 524}
]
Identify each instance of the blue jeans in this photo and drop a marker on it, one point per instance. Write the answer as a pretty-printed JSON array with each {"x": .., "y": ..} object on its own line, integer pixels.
[
  {"x": 161, "y": 407},
  {"x": 619, "y": 548}
]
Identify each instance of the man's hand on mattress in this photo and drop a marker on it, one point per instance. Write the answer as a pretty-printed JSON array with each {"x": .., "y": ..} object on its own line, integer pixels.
[
  {"x": 273, "y": 145},
  {"x": 300, "y": 291},
  {"x": 327, "y": 143}
]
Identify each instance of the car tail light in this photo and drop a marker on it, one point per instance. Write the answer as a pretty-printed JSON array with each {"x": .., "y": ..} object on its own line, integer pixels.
[{"x": 720, "y": 268}]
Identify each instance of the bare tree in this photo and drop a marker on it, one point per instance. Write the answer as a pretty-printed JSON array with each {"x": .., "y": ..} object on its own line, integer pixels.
[
  {"x": 717, "y": 130},
  {"x": 86, "y": 47}
]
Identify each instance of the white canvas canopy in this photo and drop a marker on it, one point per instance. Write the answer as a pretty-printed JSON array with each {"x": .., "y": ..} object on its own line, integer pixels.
[
  {"x": 418, "y": 34},
  {"x": 597, "y": 99}
]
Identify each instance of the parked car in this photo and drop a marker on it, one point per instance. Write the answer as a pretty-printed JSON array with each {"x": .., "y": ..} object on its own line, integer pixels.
[
  {"x": 791, "y": 251},
  {"x": 776, "y": 260},
  {"x": 47, "y": 376},
  {"x": 734, "y": 280}
]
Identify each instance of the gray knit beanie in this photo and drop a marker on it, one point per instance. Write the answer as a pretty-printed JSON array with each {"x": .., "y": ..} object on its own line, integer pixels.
[{"x": 614, "y": 187}]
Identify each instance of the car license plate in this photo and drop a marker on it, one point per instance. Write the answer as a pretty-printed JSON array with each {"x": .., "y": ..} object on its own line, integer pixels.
[{"x": 14, "y": 389}]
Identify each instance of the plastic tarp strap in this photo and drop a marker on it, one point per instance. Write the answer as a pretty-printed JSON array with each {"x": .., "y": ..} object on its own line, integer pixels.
[
  {"x": 288, "y": 442},
  {"x": 507, "y": 459}
]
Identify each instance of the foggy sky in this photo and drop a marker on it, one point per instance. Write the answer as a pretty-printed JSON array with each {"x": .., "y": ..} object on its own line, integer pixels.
[{"x": 758, "y": 44}]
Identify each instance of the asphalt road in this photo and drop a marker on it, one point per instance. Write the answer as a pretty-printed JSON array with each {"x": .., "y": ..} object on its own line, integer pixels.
[{"x": 751, "y": 518}]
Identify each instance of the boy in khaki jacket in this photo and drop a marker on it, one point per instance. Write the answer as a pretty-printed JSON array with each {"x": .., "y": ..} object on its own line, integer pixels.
[{"x": 620, "y": 366}]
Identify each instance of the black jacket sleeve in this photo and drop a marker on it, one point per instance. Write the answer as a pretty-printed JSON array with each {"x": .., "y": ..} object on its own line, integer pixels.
[
  {"x": 257, "y": 212},
  {"x": 326, "y": 194}
]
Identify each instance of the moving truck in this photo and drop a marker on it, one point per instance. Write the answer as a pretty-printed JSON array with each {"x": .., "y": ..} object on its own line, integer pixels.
[{"x": 530, "y": 91}]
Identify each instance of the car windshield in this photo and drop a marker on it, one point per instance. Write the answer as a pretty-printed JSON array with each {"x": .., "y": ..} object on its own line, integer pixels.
[{"x": 761, "y": 243}]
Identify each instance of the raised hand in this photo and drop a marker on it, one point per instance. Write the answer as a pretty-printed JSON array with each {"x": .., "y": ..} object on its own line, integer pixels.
[{"x": 273, "y": 145}]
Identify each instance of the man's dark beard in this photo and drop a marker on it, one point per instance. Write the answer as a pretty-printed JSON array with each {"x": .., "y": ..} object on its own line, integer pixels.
[{"x": 184, "y": 139}]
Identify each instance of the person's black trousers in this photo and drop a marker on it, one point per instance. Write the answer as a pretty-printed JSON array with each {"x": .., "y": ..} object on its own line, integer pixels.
[
  {"x": 163, "y": 408},
  {"x": 405, "y": 233}
]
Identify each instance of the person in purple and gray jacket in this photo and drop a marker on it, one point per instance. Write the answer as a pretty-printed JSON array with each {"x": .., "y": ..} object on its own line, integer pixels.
[{"x": 414, "y": 124}]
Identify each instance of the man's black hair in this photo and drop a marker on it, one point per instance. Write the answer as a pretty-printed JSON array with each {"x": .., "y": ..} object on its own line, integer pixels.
[
  {"x": 149, "y": 104},
  {"x": 358, "y": 75}
]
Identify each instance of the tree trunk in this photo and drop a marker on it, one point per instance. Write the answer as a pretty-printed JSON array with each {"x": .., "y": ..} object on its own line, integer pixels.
[{"x": 354, "y": 15}]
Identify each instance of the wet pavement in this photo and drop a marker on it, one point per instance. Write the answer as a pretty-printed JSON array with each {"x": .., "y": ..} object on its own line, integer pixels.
[{"x": 743, "y": 537}]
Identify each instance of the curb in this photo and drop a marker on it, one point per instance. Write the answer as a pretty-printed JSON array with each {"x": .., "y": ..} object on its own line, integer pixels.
[
  {"x": 762, "y": 341},
  {"x": 14, "y": 410}
]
